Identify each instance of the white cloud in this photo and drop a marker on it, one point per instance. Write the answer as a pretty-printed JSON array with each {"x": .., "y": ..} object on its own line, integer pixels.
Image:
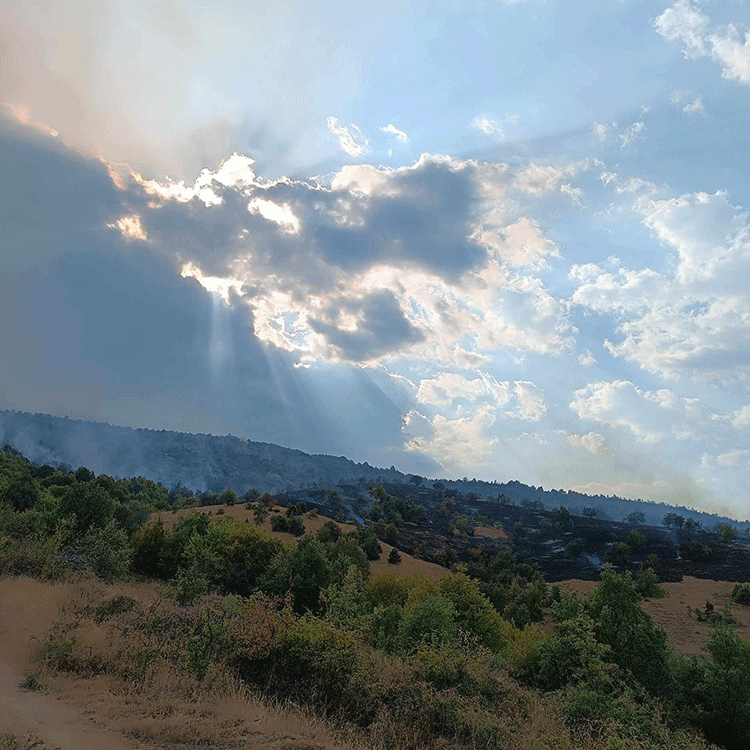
[
  {"x": 539, "y": 179},
  {"x": 524, "y": 400},
  {"x": 603, "y": 131},
  {"x": 494, "y": 127},
  {"x": 691, "y": 318},
  {"x": 686, "y": 23},
  {"x": 732, "y": 458},
  {"x": 351, "y": 140},
  {"x": 447, "y": 387},
  {"x": 649, "y": 415},
  {"x": 687, "y": 103},
  {"x": 391, "y": 129},
  {"x": 521, "y": 244},
  {"x": 455, "y": 443},
  {"x": 574, "y": 193},
  {"x": 694, "y": 106},
  {"x": 531, "y": 405},
  {"x": 628, "y": 136},
  {"x": 130, "y": 227},
  {"x": 593, "y": 442}
]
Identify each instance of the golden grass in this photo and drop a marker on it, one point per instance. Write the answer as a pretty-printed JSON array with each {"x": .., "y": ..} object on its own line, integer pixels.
[
  {"x": 674, "y": 613},
  {"x": 167, "y": 709},
  {"x": 490, "y": 532},
  {"x": 409, "y": 564}
]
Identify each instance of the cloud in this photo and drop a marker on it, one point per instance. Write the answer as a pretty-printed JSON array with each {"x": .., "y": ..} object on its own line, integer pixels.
[
  {"x": 426, "y": 247},
  {"x": 351, "y": 141},
  {"x": 593, "y": 442},
  {"x": 521, "y": 244},
  {"x": 531, "y": 405},
  {"x": 689, "y": 106},
  {"x": 447, "y": 388},
  {"x": 737, "y": 457},
  {"x": 395, "y": 132},
  {"x": 690, "y": 318},
  {"x": 494, "y": 127},
  {"x": 686, "y": 24},
  {"x": 650, "y": 415},
  {"x": 604, "y": 131},
  {"x": 455, "y": 443},
  {"x": 695, "y": 106}
]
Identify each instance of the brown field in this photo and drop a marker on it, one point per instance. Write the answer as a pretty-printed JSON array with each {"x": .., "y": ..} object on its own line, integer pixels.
[
  {"x": 409, "y": 565},
  {"x": 490, "y": 532},
  {"x": 674, "y": 613},
  {"x": 100, "y": 713}
]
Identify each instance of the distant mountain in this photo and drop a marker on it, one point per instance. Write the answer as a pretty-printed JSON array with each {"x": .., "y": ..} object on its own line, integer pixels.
[
  {"x": 200, "y": 462},
  {"x": 210, "y": 462}
]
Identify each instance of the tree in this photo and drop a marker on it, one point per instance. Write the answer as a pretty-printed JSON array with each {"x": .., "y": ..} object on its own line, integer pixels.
[
  {"x": 394, "y": 557},
  {"x": 431, "y": 619},
  {"x": 90, "y": 503},
  {"x": 637, "y": 643},
  {"x": 228, "y": 497},
  {"x": 260, "y": 513},
  {"x": 22, "y": 493},
  {"x": 637, "y": 518},
  {"x": 589, "y": 513},
  {"x": 725, "y": 531},
  {"x": 147, "y": 546}
]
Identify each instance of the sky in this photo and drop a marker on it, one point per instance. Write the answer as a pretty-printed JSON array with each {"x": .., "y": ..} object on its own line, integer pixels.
[{"x": 501, "y": 239}]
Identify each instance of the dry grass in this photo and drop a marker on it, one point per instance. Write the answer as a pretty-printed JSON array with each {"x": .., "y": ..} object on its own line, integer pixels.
[
  {"x": 409, "y": 565},
  {"x": 106, "y": 711},
  {"x": 491, "y": 532},
  {"x": 674, "y": 613}
]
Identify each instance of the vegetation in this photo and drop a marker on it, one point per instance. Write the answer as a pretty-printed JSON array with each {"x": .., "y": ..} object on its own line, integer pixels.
[{"x": 409, "y": 662}]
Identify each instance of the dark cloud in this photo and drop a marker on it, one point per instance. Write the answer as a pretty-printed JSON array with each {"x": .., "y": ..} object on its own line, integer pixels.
[
  {"x": 52, "y": 198},
  {"x": 101, "y": 327},
  {"x": 382, "y": 327}
]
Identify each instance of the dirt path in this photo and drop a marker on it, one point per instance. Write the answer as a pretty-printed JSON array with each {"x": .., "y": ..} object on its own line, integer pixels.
[
  {"x": 26, "y": 611},
  {"x": 84, "y": 714}
]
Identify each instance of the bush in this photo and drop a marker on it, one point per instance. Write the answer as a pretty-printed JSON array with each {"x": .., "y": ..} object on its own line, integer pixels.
[
  {"x": 647, "y": 584},
  {"x": 429, "y": 620},
  {"x": 330, "y": 531},
  {"x": 741, "y": 593},
  {"x": 394, "y": 557}
]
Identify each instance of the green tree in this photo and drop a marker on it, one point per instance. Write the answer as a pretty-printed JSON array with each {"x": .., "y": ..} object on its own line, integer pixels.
[
  {"x": 91, "y": 505},
  {"x": 431, "y": 619},
  {"x": 637, "y": 644},
  {"x": 147, "y": 550}
]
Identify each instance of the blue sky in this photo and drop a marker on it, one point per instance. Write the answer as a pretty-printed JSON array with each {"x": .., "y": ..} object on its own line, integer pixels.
[{"x": 507, "y": 240}]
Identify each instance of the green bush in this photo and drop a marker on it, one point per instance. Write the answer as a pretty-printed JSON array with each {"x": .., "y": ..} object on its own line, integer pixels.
[
  {"x": 429, "y": 620},
  {"x": 741, "y": 593}
]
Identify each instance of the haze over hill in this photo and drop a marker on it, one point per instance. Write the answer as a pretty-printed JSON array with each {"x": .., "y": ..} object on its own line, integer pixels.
[{"x": 205, "y": 462}]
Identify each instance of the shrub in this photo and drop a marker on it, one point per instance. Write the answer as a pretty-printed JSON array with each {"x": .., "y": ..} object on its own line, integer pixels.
[
  {"x": 741, "y": 593},
  {"x": 394, "y": 557},
  {"x": 647, "y": 584},
  {"x": 387, "y": 589},
  {"x": 330, "y": 531},
  {"x": 279, "y": 523},
  {"x": 637, "y": 644},
  {"x": 429, "y": 620},
  {"x": 295, "y": 526}
]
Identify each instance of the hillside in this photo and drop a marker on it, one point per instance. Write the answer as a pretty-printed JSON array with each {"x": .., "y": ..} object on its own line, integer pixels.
[{"x": 214, "y": 463}]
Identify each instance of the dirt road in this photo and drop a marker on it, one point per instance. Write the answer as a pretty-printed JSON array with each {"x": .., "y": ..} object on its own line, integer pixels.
[{"x": 26, "y": 610}]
